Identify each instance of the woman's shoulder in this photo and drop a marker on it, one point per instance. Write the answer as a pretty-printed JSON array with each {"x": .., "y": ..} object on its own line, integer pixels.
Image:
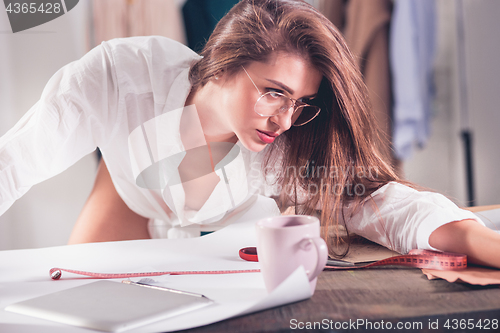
[
  {"x": 153, "y": 51},
  {"x": 151, "y": 44}
]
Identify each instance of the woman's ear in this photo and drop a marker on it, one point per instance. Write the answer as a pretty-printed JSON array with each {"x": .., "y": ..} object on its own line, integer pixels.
[{"x": 218, "y": 76}]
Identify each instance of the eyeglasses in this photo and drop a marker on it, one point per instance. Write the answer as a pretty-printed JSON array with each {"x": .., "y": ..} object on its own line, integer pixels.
[{"x": 273, "y": 103}]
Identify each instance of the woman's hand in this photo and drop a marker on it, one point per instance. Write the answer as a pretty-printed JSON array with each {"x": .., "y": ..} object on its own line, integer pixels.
[{"x": 480, "y": 244}]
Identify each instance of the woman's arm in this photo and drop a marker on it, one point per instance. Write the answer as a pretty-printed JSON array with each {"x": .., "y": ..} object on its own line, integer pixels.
[
  {"x": 77, "y": 111},
  {"x": 105, "y": 217},
  {"x": 402, "y": 218},
  {"x": 480, "y": 244}
]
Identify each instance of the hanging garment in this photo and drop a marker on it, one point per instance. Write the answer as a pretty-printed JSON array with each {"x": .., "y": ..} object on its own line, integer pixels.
[
  {"x": 365, "y": 25},
  {"x": 201, "y": 17},
  {"x": 412, "y": 54},
  {"x": 367, "y": 33},
  {"x": 127, "y": 18}
]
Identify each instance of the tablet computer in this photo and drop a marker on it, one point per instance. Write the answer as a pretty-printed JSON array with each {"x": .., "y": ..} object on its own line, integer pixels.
[{"x": 111, "y": 306}]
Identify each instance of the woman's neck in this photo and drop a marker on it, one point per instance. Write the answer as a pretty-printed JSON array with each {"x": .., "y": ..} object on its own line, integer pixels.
[{"x": 212, "y": 123}]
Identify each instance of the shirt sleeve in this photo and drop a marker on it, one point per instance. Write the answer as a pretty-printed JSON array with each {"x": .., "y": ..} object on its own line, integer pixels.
[
  {"x": 402, "y": 218},
  {"x": 74, "y": 115}
]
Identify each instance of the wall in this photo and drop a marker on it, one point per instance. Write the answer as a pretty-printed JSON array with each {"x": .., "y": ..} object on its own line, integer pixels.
[
  {"x": 483, "y": 71},
  {"x": 440, "y": 165},
  {"x": 44, "y": 216}
]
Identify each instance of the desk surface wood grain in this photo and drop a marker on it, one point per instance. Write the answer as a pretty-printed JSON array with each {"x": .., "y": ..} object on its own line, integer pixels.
[
  {"x": 389, "y": 294},
  {"x": 476, "y": 209}
]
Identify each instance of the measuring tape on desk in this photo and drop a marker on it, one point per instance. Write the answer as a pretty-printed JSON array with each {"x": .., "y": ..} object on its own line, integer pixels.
[
  {"x": 56, "y": 273},
  {"x": 419, "y": 259},
  {"x": 416, "y": 258}
]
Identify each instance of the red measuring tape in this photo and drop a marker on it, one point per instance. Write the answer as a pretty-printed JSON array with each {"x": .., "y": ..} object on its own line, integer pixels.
[
  {"x": 419, "y": 259},
  {"x": 416, "y": 258},
  {"x": 56, "y": 273}
]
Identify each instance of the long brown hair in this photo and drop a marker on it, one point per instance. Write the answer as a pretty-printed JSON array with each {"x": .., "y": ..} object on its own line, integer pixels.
[{"x": 337, "y": 152}]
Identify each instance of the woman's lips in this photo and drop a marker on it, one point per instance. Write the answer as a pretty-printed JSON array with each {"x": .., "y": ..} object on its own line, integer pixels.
[{"x": 267, "y": 137}]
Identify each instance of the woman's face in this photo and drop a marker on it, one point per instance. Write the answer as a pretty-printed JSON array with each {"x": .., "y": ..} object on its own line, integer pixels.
[{"x": 235, "y": 97}]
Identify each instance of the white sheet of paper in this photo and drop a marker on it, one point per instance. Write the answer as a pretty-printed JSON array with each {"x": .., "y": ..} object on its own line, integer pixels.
[{"x": 24, "y": 274}]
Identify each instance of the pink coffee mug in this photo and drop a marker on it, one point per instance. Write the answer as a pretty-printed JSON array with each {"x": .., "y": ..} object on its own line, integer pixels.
[{"x": 286, "y": 242}]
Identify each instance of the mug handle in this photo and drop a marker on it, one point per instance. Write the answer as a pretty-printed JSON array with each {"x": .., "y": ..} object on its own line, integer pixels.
[{"x": 321, "y": 250}]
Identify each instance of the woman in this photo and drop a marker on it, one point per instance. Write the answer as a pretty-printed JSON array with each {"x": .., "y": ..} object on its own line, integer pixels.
[{"x": 179, "y": 134}]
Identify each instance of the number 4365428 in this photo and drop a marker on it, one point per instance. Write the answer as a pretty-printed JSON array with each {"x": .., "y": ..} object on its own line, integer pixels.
[
  {"x": 472, "y": 324},
  {"x": 32, "y": 8}
]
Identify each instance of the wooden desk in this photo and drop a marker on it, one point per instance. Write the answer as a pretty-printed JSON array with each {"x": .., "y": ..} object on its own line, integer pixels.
[
  {"x": 390, "y": 294},
  {"x": 482, "y": 208}
]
